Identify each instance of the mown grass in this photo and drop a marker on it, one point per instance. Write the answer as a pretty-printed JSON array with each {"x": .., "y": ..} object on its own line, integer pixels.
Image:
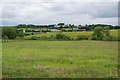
[{"x": 60, "y": 59}]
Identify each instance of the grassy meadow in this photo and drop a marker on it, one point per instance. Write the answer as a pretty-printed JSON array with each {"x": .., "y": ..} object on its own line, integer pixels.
[
  {"x": 74, "y": 35},
  {"x": 60, "y": 59}
]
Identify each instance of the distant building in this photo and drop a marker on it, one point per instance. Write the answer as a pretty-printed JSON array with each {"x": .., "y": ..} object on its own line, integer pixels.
[{"x": 75, "y": 28}]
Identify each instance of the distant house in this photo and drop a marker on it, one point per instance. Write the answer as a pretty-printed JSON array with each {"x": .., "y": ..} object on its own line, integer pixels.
[
  {"x": 37, "y": 30},
  {"x": 75, "y": 28}
]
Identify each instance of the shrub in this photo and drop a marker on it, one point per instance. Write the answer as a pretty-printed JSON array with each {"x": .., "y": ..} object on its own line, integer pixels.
[
  {"x": 34, "y": 38},
  {"x": 5, "y": 37},
  {"x": 109, "y": 38},
  {"x": 43, "y": 38},
  {"x": 20, "y": 33},
  {"x": 113, "y": 38},
  {"x": 101, "y": 33},
  {"x": 82, "y": 37},
  {"x": 62, "y": 37},
  {"x": 52, "y": 37},
  {"x": 94, "y": 38},
  {"x": 26, "y": 34}
]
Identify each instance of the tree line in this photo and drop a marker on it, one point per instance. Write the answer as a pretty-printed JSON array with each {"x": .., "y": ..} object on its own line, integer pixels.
[{"x": 87, "y": 27}]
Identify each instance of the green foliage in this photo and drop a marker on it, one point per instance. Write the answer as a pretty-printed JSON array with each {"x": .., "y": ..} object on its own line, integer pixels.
[
  {"x": 82, "y": 37},
  {"x": 52, "y": 37},
  {"x": 61, "y": 36},
  {"x": 20, "y": 33},
  {"x": 43, "y": 38},
  {"x": 27, "y": 34},
  {"x": 106, "y": 33},
  {"x": 34, "y": 38},
  {"x": 10, "y": 32},
  {"x": 74, "y": 35},
  {"x": 98, "y": 35},
  {"x": 61, "y": 24},
  {"x": 101, "y": 33},
  {"x": 5, "y": 37}
]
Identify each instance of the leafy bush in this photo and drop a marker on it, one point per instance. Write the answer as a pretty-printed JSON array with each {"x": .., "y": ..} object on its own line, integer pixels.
[
  {"x": 27, "y": 34},
  {"x": 43, "y": 38},
  {"x": 62, "y": 37},
  {"x": 52, "y": 37},
  {"x": 101, "y": 33},
  {"x": 5, "y": 37},
  {"x": 82, "y": 37},
  {"x": 20, "y": 33},
  {"x": 94, "y": 38},
  {"x": 113, "y": 38},
  {"x": 34, "y": 38}
]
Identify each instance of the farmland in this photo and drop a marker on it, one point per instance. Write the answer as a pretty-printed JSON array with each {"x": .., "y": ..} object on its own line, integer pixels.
[
  {"x": 60, "y": 59},
  {"x": 59, "y": 40},
  {"x": 74, "y": 35}
]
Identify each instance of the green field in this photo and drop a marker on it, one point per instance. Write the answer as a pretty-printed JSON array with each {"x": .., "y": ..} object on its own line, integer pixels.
[
  {"x": 60, "y": 59},
  {"x": 74, "y": 35}
]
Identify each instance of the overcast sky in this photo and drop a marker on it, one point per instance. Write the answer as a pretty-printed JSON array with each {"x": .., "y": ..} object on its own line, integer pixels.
[{"x": 53, "y": 12}]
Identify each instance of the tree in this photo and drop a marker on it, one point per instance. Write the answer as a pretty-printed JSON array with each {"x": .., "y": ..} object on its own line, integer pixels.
[
  {"x": 20, "y": 33},
  {"x": 10, "y": 32},
  {"x": 61, "y": 24},
  {"x": 101, "y": 33},
  {"x": 98, "y": 35},
  {"x": 106, "y": 33},
  {"x": 21, "y": 26}
]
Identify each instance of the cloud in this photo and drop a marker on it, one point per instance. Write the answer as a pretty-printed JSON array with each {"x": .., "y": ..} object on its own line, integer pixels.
[
  {"x": 53, "y": 12},
  {"x": 59, "y": 0}
]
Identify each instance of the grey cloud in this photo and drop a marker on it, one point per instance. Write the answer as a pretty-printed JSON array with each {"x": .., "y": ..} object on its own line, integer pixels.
[
  {"x": 47, "y": 13},
  {"x": 60, "y": 0},
  {"x": 106, "y": 10},
  {"x": 95, "y": 9},
  {"x": 101, "y": 10}
]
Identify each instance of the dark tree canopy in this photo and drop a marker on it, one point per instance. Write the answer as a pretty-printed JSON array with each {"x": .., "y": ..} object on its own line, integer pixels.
[
  {"x": 61, "y": 23},
  {"x": 9, "y": 32}
]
